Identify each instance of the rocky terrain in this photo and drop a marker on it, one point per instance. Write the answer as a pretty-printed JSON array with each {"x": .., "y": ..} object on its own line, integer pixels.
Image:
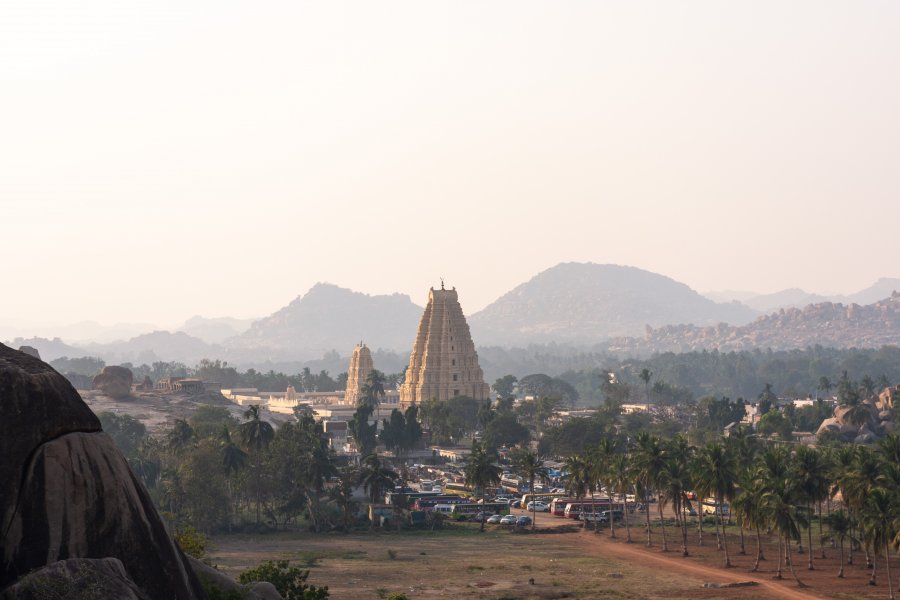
[
  {"x": 826, "y": 324},
  {"x": 865, "y": 422},
  {"x": 72, "y": 515}
]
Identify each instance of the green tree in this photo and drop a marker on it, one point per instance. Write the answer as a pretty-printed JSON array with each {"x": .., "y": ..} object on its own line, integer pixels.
[
  {"x": 719, "y": 475},
  {"x": 289, "y": 581},
  {"x": 481, "y": 471},
  {"x": 256, "y": 435},
  {"x": 531, "y": 468},
  {"x": 364, "y": 434},
  {"x": 126, "y": 431},
  {"x": 841, "y": 526},
  {"x": 505, "y": 385},
  {"x": 373, "y": 389},
  {"x": 180, "y": 437},
  {"x": 645, "y": 376},
  {"x": 375, "y": 478}
]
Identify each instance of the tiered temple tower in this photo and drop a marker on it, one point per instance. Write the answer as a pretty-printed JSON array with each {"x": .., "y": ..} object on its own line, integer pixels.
[
  {"x": 443, "y": 363},
  {"x": 360, "y": 367}
]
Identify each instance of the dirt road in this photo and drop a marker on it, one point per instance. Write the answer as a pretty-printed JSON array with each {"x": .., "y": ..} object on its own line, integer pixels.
[{"x": 674, "y": 562}]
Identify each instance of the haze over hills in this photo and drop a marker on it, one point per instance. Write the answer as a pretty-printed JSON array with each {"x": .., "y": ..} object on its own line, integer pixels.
[
  {"x": 795, "y": 297},
  {"x": 588, "y": 303},
  {"x": 571, "y": 303},
  {"x": 826, "y": 324},
  {"x": 328, "y": 318}
]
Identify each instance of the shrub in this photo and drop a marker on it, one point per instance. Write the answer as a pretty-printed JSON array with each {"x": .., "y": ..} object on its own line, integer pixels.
[
  {"x": 289, "y": 581},
  {"x": 191, "y": 541}
]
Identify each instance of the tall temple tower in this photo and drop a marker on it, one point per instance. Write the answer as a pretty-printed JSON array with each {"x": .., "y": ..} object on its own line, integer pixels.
[
  {"x": 360, "y": 367},
  {"x": 443, "y": 363}
]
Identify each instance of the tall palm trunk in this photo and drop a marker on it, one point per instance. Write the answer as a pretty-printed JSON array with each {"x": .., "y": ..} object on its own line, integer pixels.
[
  {"x": 662, "y": 523},
  {"x": 612, "y": 520},
  {"x": 887, "y": 563},
  {"x": 743, "y": 548},
  {"x": 821, "y": 537},
  {"x": 258, "y": 485},
  {"x": 728, "y": 564},
  {"x": 759, "y": 555},
  {"x": 627, "y": 526},
  {"x": 700, "y": 527},
  {"x": 841, "y": 570},
  {"x": 810, "y": 566},
  {"x": 874, "y": 572},
  {"x": 791, "y": 565},
  {"x": 778, "y": 571},
  {"x": 647, "y": 511}
]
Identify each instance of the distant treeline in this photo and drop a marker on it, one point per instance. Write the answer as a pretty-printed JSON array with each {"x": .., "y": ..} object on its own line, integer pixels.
[{"x": 793, "y": 373}]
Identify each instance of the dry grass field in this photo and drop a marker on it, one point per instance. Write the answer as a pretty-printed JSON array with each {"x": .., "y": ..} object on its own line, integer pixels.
[{"x": 556, "y": 561}]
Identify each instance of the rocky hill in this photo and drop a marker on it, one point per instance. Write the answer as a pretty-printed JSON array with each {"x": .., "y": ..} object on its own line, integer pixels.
[
  {"x": 331, "y": 318},
  {"x": 588, "y": 303},
  {"x": 827, "y": 324}
]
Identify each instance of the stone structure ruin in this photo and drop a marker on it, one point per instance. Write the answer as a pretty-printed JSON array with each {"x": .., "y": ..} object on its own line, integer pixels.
[
  {"x": 360, "y": 366},
  {"x": 443, "y": 363}
]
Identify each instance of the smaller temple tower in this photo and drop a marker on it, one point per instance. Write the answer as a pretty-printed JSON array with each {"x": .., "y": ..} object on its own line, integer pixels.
[{"x": 360, "y": 366}]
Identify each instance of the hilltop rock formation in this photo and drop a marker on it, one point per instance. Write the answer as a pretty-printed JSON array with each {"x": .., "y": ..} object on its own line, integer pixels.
[
  {"x": 866, "y": 422},
  {"x": 30, "y": 351},
  {"x": 115, "y": 382},
  {"x": 68, "y": 492},
  {"x": 826, "y": 324}
]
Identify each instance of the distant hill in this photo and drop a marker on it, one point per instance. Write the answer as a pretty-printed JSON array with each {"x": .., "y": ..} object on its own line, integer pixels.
[
  {"x": 796, "y": 298},
  {"x": 156, "y": 346},
  {"x": 48, "y": 349},
  {"x": 587, "y": 303},
  {"x": 329, "y": 318},
  {"x": 791, "y": 298},
  {"x": 826, "y": 324},
  {"x": 217, "y": 330}
]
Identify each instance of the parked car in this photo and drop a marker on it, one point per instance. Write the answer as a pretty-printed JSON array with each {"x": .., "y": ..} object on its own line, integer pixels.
[
  {"x": 494, "y": 519},
  {"x": 515, "y": 503},
  {"x": 605, "y": 515},
  {"x": 537, "y": 506},
  {"x": 523, "y": 521},
  {"x": 481, "y": 516},
  {"x": 508, "y": 520}
]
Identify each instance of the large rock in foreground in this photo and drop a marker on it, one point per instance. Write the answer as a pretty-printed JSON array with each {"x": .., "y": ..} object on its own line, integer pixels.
[{"x": 68, "y": 492}]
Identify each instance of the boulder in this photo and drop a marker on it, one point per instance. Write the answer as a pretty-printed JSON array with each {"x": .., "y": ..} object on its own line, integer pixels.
[
  {"x": 77, "y": 578},
  {"x": 212, "y": 578},
  {"x": 68, "y": 492},
  {"x": 30, "y": 351},
  {"x": 115, "y": 382}
]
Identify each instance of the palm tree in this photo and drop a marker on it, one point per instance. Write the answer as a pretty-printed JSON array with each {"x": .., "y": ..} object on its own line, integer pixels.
[
  {"x": 620, "y": 477},
  {"x": 481, "y": 471},
  {"x": 233, "y": 458},
  {"x": 747, "y": 507},
  {"x": 531, "y": 467},
  {"x": 843, "y": 472},
  {"x": 373, "y": 389},
  {"x": 645, "y": 376},
  {"x": 648, "y": 464},
  {"x": 841, "y": 526},
  {"x": 879, "y": 515},
  {"x": 781, "y": 504},
  {"x": 600, "y": 459},
  {"x": 256, "y": 435},
  {"x": 375, "y": 478},
  {"x": 812, "y": 484},
  {"x": 342, "y": 494},
  {"x": 674, "y": 481},
  {"x": 578, "y": 482},
  {"x": 180, "y": 437},
  {"x": 719, "y": 473}
]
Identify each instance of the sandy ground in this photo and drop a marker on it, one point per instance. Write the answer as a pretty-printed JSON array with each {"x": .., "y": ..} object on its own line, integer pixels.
[{"x": 562, "y": 560}]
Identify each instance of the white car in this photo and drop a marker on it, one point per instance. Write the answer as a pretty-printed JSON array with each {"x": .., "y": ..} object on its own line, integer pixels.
[
  {"x": 508, "y": 520},
  {"x": 537, "y": 506}
]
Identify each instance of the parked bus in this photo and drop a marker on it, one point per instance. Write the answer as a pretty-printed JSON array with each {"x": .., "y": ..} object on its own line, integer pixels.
[
  {"x": 558, "y": 505},
  {"x": 510, "y": 484},
  {"x": 709, "y": 507},
  {"x": 431, "y": 501},
  {"x": 463, "y": 511},
  {"x": 456, "y": 488},
  {"x": 573, "y": 510},
  {"x": 547, "y": 497}
]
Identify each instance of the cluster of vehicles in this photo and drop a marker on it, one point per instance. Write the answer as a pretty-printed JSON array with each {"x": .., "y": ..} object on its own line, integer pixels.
[{"x": 449, "y": 499}]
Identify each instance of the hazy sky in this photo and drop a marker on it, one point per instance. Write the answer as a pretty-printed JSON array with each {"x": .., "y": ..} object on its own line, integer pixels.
[{"x": 164, "y": 159}]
